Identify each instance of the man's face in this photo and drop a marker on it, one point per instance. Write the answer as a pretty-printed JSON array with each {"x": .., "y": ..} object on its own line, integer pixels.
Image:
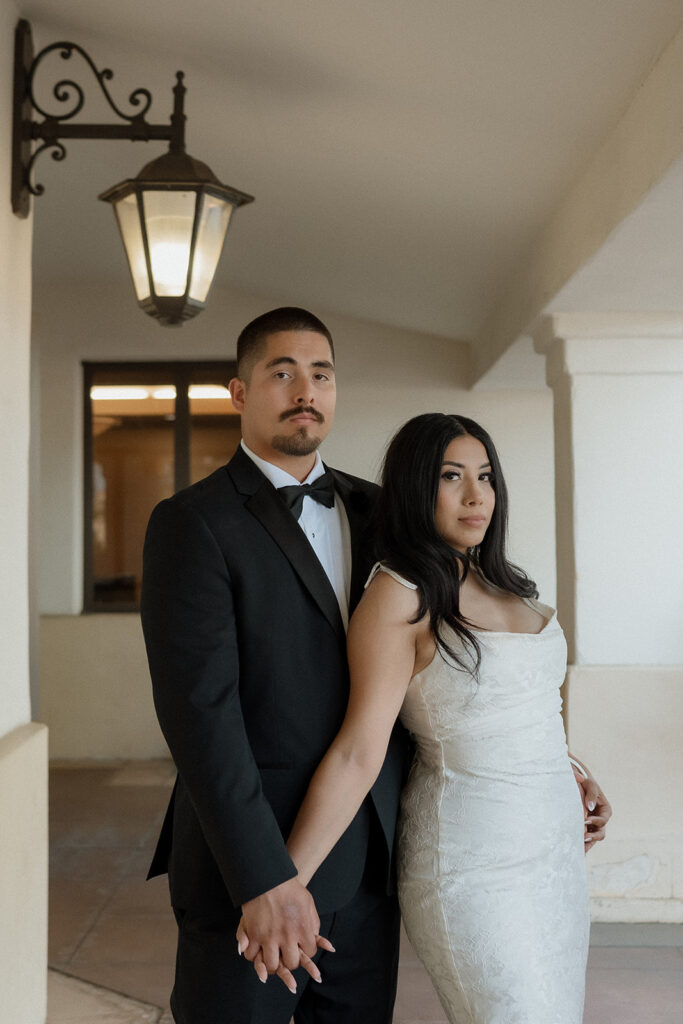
[{"x": 287, "y": 407}]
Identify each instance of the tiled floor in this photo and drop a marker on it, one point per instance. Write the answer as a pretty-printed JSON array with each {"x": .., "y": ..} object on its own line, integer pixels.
[{"x": 112, "y": 935}]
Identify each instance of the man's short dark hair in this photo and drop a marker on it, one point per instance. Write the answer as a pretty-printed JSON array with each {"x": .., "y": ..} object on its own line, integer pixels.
[{"x": 253, "y": 338}]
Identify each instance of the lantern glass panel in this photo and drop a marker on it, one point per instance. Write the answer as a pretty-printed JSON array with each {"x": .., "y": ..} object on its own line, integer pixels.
[
  {"x": 169, "y": 218},
  {"x": 213, "y": 225},
  {"x": 131, "y": 233}
]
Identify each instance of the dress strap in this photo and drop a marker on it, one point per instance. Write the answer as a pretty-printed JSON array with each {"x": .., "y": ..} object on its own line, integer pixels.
[{"x": 381, "y": 567}]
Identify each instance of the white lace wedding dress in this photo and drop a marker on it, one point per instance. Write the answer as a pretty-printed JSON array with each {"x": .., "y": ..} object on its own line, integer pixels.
[{"x": 492, "y": 880}]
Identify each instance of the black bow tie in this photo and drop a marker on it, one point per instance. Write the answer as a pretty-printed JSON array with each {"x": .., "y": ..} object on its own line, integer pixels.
[{"x": 321, "y": 490}]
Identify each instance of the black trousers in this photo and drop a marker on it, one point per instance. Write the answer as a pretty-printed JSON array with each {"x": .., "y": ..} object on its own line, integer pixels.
[{"x": 214, "y": 985}]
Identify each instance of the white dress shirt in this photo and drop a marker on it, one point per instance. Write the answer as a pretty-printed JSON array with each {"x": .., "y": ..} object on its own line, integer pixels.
[{"x": 327, "y": 529}]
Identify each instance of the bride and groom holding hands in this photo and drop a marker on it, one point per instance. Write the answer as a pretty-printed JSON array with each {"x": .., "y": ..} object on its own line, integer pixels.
[{"x": 280, "y": 839}]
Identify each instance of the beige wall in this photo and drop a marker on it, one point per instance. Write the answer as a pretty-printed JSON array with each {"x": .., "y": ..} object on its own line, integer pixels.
[
  {"x": 23, "y": 777},
  {"x": 95, "y": 689}
]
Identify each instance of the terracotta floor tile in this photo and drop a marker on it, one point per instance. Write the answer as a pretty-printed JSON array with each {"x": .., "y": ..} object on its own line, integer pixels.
[
  {"x": 71, "y": 1001},
  {"x": 73, "y": 908},
  {"x": 99, "y": 864},
  {"x": 150, "y": 983},
  {"x": 130, "y": 938},
  {"x": 136, "y": 895},
  {"x": 139, "y": 864},
  {"x": 616, "y": 996},
  {"x": 416, "y": 999}
]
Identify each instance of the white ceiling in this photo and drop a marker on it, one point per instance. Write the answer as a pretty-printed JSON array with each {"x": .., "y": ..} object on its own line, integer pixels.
[{"x": 403, "y": 153}]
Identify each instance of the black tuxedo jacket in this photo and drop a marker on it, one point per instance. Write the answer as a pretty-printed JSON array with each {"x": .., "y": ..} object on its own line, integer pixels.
[{"x": 247, "y": 655}]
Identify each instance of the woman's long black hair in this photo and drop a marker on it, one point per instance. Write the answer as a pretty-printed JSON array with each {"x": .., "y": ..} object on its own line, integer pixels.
[{"x": 409, "y": 543}]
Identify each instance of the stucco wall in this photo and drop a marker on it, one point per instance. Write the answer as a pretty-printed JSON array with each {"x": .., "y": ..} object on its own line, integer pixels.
[
  {"x": 15, "y": 297},
  {"x": 23, "y": 776}
]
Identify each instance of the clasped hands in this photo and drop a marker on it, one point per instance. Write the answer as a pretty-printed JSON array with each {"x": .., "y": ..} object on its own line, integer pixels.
[{"x": 280, "y": 931}]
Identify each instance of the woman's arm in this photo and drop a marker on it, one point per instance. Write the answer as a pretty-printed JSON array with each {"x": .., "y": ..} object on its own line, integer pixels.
[{"x": 381, "y": 649}]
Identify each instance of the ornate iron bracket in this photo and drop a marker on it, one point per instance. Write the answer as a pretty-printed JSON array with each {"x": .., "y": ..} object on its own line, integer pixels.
[{"x": 57, "y": 126}]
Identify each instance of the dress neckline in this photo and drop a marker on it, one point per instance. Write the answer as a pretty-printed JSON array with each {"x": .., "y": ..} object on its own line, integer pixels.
[
  {"x": 545, "y": 610},
  {"x": 515, "y": 632}
]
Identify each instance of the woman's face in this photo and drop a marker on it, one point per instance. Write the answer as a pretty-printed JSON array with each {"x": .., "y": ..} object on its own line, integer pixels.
[{"x": 465, "y": 499}]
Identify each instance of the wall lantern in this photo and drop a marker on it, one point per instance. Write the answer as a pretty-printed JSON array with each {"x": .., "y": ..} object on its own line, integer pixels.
[{"x": 173, "y": 216}]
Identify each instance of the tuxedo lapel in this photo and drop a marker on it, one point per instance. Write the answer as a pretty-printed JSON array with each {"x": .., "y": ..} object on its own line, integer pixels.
[{"x": 264, "y": 503}]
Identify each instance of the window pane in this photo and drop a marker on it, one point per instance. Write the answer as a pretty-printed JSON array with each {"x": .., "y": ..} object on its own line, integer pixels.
[
  {"x": 215, "y": 428},
  {"x": 133, "y": 469}
]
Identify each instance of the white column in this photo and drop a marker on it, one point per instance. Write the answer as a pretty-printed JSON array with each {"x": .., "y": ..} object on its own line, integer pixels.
[{"x": 618, "y": 387}]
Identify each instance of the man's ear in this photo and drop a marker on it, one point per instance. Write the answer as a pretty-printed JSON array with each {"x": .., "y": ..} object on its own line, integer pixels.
[{"x": 237, "y": 389}]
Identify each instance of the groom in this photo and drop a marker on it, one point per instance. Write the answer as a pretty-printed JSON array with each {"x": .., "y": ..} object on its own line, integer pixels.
[{"x": 248, "y": 584}]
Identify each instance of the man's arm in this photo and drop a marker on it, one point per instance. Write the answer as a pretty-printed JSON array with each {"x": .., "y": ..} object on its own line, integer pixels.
[{"x": 190, "y": 633}]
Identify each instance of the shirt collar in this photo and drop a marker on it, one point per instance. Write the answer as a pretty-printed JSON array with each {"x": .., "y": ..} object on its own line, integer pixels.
[{"x": 278, "y": 477}]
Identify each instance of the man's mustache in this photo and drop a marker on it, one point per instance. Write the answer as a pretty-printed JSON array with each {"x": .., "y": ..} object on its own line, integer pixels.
[{"x": 308, "y": 409}]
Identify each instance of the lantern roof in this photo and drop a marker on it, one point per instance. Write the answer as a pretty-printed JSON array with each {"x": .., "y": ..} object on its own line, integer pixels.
[{"x": 176, "y": 169}]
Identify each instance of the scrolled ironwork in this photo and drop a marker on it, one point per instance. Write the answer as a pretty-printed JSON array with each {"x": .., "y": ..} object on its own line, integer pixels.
[
  {"x": 59, "y": 152},
  {"x": 62, "y": 95},
  {"x": 70, "y": 96},
  {"x": 60, "y": 91}
]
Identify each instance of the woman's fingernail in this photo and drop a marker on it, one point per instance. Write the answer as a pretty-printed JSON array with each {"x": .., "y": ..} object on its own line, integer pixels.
[{"x": 591, "y": 805}]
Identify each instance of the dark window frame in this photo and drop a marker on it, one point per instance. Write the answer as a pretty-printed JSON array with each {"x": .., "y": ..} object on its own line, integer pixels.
[{"x": 180, "y": 373}]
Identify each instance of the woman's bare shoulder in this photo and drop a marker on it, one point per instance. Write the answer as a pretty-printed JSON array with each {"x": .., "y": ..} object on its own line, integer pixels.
[{"x": 388, "y": 600}]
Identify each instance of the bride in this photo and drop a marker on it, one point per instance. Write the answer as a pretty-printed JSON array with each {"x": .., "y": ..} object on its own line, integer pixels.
[{"x": 450, "y": 636}]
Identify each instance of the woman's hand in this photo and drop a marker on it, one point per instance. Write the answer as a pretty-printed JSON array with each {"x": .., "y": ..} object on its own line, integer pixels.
[
  {"x": 283, "y": 973},
  {"x": 596, "y": 806}
]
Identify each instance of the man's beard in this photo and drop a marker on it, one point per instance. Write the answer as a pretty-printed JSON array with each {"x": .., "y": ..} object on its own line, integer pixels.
[{"x": 300, "y": 443}]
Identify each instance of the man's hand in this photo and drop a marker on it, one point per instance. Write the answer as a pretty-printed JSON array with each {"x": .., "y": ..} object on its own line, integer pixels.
[
  {"x": 282, "y": 925},
  {"x": 597, "y": 809}
]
